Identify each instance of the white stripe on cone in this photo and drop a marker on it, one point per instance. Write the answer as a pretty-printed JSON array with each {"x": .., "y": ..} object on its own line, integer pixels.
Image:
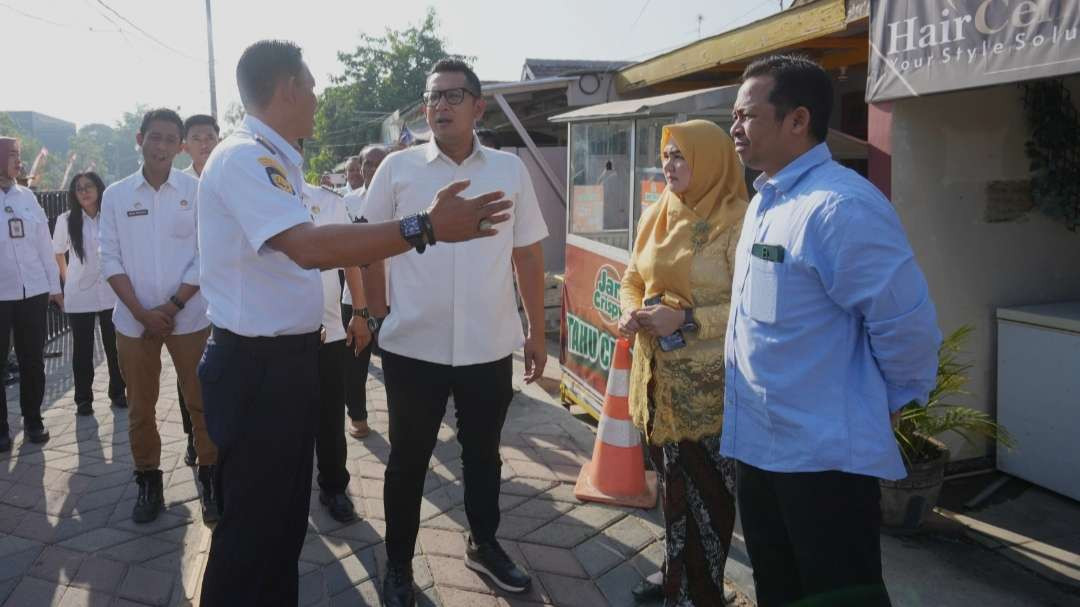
[
  {"x": 618, "y": 383},
  {"x": 617, "y": 432}
]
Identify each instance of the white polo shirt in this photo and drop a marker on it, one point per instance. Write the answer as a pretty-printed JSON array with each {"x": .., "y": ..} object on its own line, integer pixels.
[
  {"x": 249, "y": 193},
  {"x": 150, "y": 235},
  {"x": 27, "y": 265},
  {"x": 454, "y": 304},
  {"x": 328, "y": 208},
  {"x": 85, "y": 289}
]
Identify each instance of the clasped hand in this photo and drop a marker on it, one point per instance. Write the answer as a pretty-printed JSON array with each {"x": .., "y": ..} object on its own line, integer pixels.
[{"x": 657, "y": 320}]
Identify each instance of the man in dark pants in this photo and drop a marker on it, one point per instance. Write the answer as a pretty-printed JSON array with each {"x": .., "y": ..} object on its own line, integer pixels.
[
  {"x": 831, "y": 332},
  {"x": 453, "y": 327},
  {"x": 29, "y": 280},
  {"x": 357, "y": 365},
  {"x": 260, "y": 261}
]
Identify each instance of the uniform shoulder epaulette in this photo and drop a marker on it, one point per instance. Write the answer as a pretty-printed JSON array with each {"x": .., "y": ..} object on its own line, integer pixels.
[
  {"x": 266, "y": 144},
  {"x": 334, "y": 192}
]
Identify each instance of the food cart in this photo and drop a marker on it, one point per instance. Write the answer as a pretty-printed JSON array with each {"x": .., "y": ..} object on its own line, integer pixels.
[{"x": 613, "y": 174}]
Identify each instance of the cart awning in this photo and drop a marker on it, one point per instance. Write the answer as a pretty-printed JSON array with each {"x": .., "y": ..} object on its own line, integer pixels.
[{"x": 689, "y": 102}]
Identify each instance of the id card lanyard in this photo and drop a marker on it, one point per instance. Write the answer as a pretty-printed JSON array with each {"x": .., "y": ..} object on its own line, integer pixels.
[{"x": 16, "y": 229}]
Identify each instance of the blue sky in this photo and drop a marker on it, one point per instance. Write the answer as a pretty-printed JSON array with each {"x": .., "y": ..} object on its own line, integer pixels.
[{"x": 80, "y": 61}]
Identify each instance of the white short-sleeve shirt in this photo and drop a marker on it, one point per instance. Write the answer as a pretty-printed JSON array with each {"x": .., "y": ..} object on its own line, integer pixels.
[
  {"x": 328, "y": 208},
  {"x": 150, "y": 235},
  {"x": 27, "y": 265},
  {"x": 454, "y": 304},
  {"x": 249, "y": 193},
  {"x": 85, "y": 289}
]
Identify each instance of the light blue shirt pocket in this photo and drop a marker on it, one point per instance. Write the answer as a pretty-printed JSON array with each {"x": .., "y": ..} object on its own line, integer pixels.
[{"x": 764, "y": 290}]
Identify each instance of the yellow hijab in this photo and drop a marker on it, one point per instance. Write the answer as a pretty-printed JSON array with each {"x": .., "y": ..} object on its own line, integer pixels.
[{"x": 682, "y": 224}]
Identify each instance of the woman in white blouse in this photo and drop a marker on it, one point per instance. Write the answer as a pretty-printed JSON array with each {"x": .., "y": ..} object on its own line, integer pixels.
[{"x": 86, "y": 294}]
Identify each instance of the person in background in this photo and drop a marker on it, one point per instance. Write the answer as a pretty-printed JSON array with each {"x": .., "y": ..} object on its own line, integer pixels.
[
  {"x": 489, "y": 138},
  {"x": 832, "y": 331},
  {"x": 354, "y": 178},
  {"x": 340, "y": 342},
  {"x": 260, "y": 257},
  {"x": 149, "y": 256},
  {"x": 201, "y": 136},
  {"x": 357, "y": 365},
  {"x": 678, "y": 286},
  {"x": 87, "y": 297},
  {"x": 29, "y": 281},
  {"x": 454, "y": 323}
]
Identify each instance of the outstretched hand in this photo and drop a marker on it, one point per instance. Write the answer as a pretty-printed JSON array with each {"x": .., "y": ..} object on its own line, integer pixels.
[{"x": 455, "y": 218}]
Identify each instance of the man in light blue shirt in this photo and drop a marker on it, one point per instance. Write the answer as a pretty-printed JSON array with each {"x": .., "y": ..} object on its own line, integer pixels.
[{"x": 831, "y": 332}]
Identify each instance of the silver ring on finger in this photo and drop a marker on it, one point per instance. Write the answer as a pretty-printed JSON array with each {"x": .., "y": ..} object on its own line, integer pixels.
[{"x": 484, "y": 225}]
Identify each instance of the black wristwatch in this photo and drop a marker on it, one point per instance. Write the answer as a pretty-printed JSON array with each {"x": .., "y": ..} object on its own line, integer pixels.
[
  {"x": 412, "y": 230},
  {"x": 374, "y": 324},
  {"x": 362, "y": 313},
  {"x": 174, "y": 300},
  {"x": 689, "y": 324}
]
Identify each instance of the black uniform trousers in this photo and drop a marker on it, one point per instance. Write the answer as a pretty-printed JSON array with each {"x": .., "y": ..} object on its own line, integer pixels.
[
  {"x": 356, "y": 373},
  {"x": 261, "y": 397},
  {"x": 82, "y": 354},
  {"x": 416, "y": 393},
  {"x": 26, "y": 318},
  {"x": 813, "y": 537},
  {"x": 330, "y": 449}
]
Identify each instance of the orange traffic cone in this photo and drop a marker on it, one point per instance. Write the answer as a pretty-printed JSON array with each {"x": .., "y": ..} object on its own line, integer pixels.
[{"x": 616, "y": 474}]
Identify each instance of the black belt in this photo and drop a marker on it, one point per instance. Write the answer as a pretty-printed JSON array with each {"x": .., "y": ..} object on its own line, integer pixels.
[{"x": 302, "y": 341}]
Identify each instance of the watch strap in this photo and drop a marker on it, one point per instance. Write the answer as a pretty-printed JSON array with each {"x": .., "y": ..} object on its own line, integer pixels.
[{"x": 174, "y": 300}]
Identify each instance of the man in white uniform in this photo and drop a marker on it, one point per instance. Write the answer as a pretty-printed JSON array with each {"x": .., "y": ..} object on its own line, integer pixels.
[
  {"x": 149, "y": 257},
  {"x": 260, "y": 261}
]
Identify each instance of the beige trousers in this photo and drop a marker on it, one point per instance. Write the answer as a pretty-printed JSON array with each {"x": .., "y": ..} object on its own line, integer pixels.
[{"x": 140, "y": 364}]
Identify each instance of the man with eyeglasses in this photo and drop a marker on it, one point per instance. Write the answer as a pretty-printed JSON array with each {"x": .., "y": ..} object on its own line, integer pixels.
[{"x": 453, "y": 322}]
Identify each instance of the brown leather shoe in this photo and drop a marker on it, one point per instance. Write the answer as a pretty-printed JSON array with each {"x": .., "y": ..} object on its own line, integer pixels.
[{"x": 358, "y": 428}]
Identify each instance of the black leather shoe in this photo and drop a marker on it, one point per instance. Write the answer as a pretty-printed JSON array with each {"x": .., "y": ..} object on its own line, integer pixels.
[
  {"x": 339, "y": 506},
  {"x": 491, "y": 560},
  {"x": 5, "y": 442},
  {"x": 190, "y": 455},
  {"x": 397, "y": 587},
  {"x": 120, "y": 402},
  {"x": 151, "y": 499},
  {"x": 84, "y": 408},
  {"x": 648, "y": 591},
  {"x": 36, "y": 434}
]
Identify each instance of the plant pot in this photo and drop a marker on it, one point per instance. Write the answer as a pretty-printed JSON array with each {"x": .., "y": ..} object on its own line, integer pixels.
[{"x": 906, "y": 502}]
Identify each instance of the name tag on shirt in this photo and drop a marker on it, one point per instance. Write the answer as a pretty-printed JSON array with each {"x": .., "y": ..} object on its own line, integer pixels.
[
  {"x": 15, "y": 228},
  {"x": 138, "y": 212},
  {"x": 768, "y": 252}
]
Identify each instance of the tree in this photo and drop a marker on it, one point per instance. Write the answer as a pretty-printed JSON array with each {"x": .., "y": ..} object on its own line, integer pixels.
[
  {"x": 52, "y": 169},
  {"x": 383, "y": 74}
]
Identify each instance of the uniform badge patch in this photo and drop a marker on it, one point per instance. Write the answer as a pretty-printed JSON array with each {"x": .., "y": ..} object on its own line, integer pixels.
[{"x": 276, "y": 173}]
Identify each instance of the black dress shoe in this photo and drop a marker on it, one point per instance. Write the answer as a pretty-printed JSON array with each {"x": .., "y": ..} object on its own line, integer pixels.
[
  {"x": 491, "y": 560},
  {"x": 151, "y": 499},
  {"x": 36, "y": 434},
  {"x": 397, "y": 587},
  {"x": 120, "y": 402},
  {"x": 648, "y": 591},
  {"x": 5, "y": 442},
  {"x": 84, "y": 408},
  {"x": 339, "y": 506}
]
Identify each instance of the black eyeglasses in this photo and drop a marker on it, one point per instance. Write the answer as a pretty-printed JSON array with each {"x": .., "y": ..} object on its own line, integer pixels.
[{"x": 453, "y": 96}]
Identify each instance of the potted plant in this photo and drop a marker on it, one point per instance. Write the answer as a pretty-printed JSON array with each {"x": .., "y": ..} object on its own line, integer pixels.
[{"x": 906, "y": 502}]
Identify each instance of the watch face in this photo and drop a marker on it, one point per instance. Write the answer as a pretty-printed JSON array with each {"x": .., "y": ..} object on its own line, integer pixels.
[
  {"x": 372, "y": 325},
  {"x": 412, "y": 225}
]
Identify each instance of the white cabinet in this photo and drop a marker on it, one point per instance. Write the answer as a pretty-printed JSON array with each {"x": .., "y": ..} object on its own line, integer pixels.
[{"x": 1039, "y": 394}]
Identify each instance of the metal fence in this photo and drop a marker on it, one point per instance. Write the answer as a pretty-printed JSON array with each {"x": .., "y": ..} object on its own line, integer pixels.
[{"x": 54, "y": 203}]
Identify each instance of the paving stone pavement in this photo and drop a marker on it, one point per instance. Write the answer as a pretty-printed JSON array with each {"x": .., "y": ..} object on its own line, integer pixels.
[{"x": 66, "y": 537}]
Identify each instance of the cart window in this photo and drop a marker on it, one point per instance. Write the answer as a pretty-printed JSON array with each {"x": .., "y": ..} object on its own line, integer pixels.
[
  {"x": 599, "y": 180},
  {"x": 649, "y": 179}
]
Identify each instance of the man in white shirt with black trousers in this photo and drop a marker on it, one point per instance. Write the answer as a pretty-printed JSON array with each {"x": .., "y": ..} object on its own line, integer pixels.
[{"x": 453, "y": 327}]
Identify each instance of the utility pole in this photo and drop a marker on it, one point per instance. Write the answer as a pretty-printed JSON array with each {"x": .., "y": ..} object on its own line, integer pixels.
[{"x": 210, "y": 53}]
